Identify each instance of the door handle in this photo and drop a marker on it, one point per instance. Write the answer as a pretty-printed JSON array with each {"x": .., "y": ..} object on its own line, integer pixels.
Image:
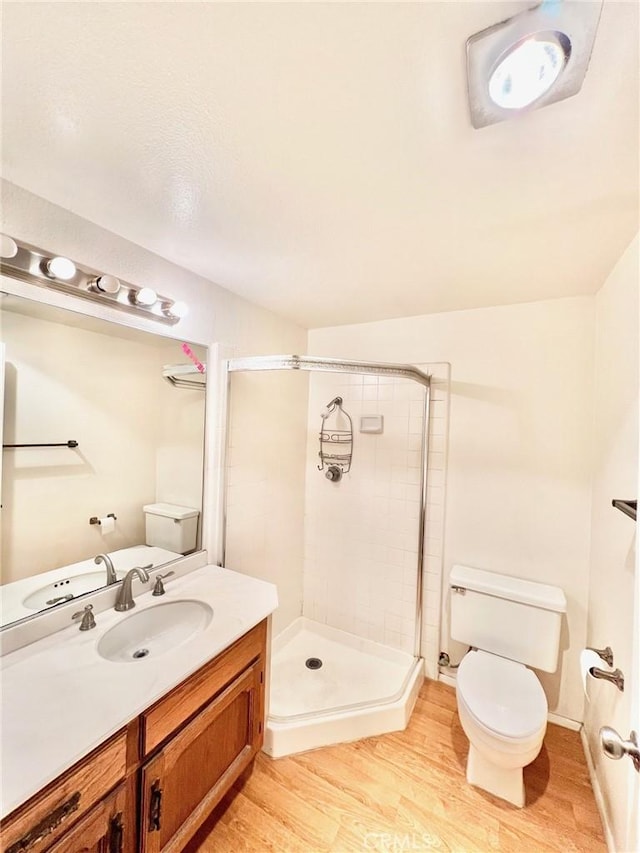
[
  {"x": 116, "y": 834},
  {"x": 155, "y": 806},
  {"x": 615, "y": 747}
]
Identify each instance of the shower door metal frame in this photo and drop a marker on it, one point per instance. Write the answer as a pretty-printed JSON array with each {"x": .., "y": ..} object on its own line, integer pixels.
[{"x": 315, "y": 364}]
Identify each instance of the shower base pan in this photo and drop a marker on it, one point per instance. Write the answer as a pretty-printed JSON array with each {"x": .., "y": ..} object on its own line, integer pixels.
[{"x": 360, "y": 689}]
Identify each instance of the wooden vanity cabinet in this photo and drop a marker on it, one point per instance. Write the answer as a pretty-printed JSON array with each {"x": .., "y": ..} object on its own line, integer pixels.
[
  {"x": 170, "y": 767},
  {"x": 188, "y": 777}
]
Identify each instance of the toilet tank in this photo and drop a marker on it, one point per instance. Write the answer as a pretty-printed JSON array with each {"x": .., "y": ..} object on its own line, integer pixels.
[
  {"x": 510, "y": 617},
  {"x": 171, "y": 526}
]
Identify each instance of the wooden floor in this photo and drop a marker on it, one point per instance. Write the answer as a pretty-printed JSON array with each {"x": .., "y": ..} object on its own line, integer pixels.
[{"x": 406, "y": 792}]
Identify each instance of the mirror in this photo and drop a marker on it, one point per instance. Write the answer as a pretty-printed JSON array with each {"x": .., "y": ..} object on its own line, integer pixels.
[{"x": 113, "y": 420}]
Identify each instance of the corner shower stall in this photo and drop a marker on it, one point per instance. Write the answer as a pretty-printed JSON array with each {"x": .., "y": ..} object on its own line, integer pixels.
[{"x": 325, "y": 494}]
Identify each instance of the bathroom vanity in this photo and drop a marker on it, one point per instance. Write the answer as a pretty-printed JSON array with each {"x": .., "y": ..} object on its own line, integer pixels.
[{"x": 154, "y": 779}]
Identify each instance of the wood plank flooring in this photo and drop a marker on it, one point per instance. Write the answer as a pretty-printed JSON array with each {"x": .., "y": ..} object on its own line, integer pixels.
[{"x": 407, "y": 792}]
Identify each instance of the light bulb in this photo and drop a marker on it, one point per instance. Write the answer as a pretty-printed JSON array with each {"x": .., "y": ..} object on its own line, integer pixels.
[
  {"x": 8, "y": 247},
  {"x": 527, "y": 72},
  {"x": 146, "y": 296},
  {"x": 176, "y": 309},
  {"x": 106, "y": 284},
  {"x": 61, "y": 268}
]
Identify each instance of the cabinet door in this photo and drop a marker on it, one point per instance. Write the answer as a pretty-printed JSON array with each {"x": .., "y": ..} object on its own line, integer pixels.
[
  {"x": 108, "y": 828},
  {"x": 191, "y": 774}
]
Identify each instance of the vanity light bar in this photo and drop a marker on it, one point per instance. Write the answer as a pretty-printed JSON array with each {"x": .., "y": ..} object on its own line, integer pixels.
[{"x": 45, "y": 269}]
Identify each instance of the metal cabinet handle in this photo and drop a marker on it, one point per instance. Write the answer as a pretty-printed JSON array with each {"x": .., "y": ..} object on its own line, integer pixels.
[
  {"x": 155, "y": 806},
  {"x": 116, "y": 834},
  {"x": 615, "y": 747},
  {"x": 47, "y": 825}
]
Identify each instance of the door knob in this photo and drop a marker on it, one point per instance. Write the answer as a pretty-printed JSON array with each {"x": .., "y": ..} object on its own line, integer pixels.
[{"x": 615, "y": 747}]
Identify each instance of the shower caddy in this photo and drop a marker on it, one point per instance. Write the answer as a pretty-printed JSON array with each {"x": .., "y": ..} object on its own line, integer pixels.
[{"x": 336, "y": 444}]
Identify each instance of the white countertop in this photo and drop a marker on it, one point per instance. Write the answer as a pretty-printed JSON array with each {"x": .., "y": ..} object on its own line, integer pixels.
[{"x": 61, "y": 699}]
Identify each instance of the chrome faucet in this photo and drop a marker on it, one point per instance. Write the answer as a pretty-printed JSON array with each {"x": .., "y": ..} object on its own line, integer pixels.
[
  {"x": 125, "y": 600},
  {"x": 111, "y": 572}
]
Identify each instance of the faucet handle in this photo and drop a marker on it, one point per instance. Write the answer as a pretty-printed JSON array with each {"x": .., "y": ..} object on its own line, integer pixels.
[
  {"x": 88, "y": 619},
  {"x": 159, "y": 586}
]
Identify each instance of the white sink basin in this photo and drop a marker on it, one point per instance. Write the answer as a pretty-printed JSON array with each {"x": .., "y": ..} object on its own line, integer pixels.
[
  {"x": 67, "y": 589},
  {"x": 154, "y": 631}
]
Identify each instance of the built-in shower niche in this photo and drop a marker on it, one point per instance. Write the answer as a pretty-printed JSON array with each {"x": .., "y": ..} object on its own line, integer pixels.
[{"x": 344, "y": 554}]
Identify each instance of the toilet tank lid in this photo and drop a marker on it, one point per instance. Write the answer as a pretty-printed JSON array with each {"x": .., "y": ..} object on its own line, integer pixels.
[
  {"x": 171, "y": 511},
  {"x": 514, "y": 589}
]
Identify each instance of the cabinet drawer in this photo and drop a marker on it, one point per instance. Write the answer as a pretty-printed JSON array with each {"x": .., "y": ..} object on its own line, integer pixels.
[
  {"x": 109, "y": 826},
  {"x": 41, "y": 821},
  {"x": 167, "y": 715}
]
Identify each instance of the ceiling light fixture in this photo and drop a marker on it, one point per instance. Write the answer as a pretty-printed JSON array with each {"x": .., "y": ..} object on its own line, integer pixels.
[
  {"x": 531, "y": 60},
  {"x": 528, "y": 70},
  {"x": 36, "y": 266}
]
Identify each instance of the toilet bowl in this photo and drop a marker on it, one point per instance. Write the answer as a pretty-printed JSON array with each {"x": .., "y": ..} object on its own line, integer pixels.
[
  {"x": 503, "y": 711},
  {"x": 511, "y": 624}
]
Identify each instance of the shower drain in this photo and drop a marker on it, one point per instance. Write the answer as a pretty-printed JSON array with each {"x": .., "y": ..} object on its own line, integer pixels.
[
  {"x": 140, "y": 653},
  {"x": 313, "y": 663}
]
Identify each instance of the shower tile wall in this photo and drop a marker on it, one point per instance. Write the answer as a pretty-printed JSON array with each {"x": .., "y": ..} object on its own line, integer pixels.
[{"x": 361, "y": 535}]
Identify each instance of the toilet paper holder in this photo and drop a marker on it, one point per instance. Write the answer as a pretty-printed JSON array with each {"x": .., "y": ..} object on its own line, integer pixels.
[
  {"x": 95, "y": 520},
  {"x": 606, "y": 654},
  {"x": 616, "y": 677}
]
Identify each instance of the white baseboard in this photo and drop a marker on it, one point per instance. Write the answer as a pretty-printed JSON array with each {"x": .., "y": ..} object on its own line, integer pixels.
[
  {"x": 565, "y": 722},
  {"x": 445, "y": 678},
  {"x": 597, "y": 792}
]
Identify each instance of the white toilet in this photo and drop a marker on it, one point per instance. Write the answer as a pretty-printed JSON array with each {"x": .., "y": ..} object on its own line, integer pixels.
[{"x": 510, "y": 624}]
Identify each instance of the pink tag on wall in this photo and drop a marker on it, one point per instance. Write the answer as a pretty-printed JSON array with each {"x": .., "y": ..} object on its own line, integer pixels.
[{"x": 186, "y": 349}]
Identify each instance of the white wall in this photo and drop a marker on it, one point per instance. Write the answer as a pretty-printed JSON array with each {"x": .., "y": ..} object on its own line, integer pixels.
[
  {"x": 265, "y": 483},
  {"x": 613, "y": 549},
  {"x": 518, "y": 486}
]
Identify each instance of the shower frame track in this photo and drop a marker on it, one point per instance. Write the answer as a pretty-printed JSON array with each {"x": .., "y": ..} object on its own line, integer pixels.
[{"x": 334, "y": 365}]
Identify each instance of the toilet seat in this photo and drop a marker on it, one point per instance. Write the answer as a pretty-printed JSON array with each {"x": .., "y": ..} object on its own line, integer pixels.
[{"x": 502, "y": 696}]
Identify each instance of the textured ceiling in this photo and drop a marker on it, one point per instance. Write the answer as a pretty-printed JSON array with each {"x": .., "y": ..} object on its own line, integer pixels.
[{"x": 318, "y": 158}]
